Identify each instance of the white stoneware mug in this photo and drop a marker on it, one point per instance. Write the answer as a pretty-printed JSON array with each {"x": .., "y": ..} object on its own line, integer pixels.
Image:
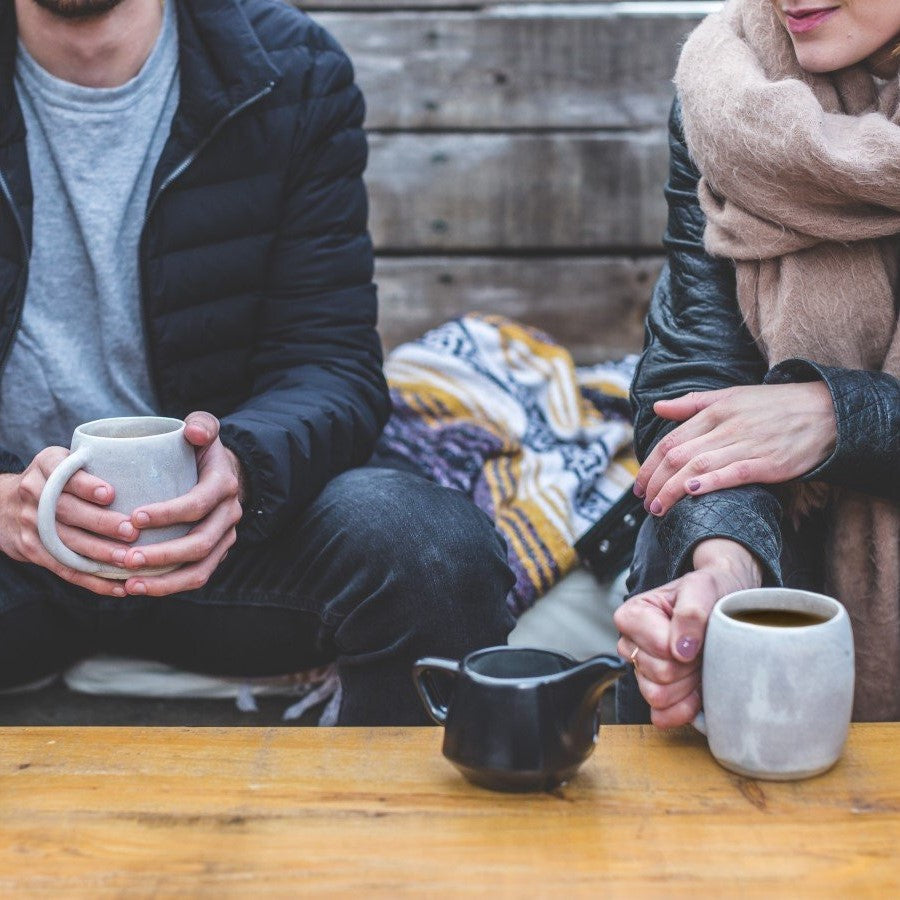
[
  {"x": 777, "y": 699},
  {"x": 145, "y": 458}
]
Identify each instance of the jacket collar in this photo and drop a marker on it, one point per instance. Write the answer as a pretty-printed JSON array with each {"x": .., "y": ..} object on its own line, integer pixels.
[{"x": 222, "y": 62}]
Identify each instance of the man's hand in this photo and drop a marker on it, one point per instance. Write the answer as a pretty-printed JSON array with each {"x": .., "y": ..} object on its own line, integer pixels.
[
  {"x": 763, "y": 434},
  {"x": 83, "y": 522},
  {"x": 214, "y": 504},
  {"x": 667, "y": 626}
]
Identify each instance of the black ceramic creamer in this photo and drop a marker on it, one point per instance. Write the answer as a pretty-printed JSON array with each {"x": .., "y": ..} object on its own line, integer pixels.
[{"x": 516, "y": 719}]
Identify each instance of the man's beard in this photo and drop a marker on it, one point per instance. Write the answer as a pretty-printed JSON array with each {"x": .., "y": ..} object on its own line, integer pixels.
[{"x": 78, "y": 9}]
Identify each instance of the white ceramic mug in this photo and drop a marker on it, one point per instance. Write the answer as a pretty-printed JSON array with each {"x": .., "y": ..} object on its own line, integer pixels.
[
  {"x": 777, "y": 700},
  {"x": 146, "y": 459}
]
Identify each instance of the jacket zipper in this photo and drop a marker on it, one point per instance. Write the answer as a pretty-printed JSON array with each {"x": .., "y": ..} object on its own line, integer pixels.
[
  {"x": 175, "y": 174},
  {"x": 23, "y": 278}
]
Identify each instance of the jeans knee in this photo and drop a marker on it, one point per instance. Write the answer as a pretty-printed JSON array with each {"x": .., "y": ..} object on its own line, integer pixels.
[{"x": 428, "y": 564}]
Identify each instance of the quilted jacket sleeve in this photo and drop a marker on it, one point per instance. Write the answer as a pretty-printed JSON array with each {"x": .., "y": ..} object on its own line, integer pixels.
[
  {"x": 696, "y": 341},
  {"x": 866, "y": 456},
  {"x": 319, "y": 397}
]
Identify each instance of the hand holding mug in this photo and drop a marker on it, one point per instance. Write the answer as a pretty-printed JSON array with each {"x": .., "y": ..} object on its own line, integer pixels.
[
  {"x": 663, "y": 629},
  {"x": 211, "y": 509},
  {"x": 83, "y": 520}
]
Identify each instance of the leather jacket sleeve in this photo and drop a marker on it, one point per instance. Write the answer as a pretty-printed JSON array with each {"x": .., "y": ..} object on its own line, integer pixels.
[
  {"x": 696, "y": 341},
  {"x": 866, "y": 456}
]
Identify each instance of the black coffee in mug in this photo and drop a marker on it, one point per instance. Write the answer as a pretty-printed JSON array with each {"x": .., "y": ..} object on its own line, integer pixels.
[{"x": 778, "y": 618}]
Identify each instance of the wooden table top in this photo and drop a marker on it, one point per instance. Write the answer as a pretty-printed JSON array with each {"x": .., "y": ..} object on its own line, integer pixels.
[{"x": 249, "y": 811}]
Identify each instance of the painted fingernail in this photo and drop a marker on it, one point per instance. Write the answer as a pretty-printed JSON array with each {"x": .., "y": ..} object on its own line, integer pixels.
[
  {"x": 693, "y": 485},
  {"x": 638, "y": 490},
  {"x": 687, "y": 647},
  {"x": 119, "y": 591},
  {"x": 139, "y": 588},
  {"x": 142, "y": 519},
  {"x": 119, "y": 556},
  {"x": 138, "y": 559},
  {"x": 656, "y": 507},
  {"x": 126, "y": 529},
  {"x": 101, "y": 494}
]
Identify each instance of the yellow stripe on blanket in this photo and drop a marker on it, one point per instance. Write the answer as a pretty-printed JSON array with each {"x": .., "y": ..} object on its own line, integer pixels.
[{"x": 499, "y": 410}]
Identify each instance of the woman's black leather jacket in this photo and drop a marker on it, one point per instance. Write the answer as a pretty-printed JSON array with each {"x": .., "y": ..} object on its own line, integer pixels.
[{"x": 696, "y": 341}]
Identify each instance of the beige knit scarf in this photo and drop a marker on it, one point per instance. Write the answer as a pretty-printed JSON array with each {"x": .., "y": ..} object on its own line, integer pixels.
[{"x": 801, "y": 187}]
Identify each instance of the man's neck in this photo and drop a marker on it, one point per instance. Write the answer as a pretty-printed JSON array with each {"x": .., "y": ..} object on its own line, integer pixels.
[{"x": 102, "y": 51}]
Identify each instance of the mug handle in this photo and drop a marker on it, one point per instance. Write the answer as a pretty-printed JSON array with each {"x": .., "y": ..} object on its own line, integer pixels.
[
  {"x": 423, "y": 676},
  {"x": 47, "y": 514}
]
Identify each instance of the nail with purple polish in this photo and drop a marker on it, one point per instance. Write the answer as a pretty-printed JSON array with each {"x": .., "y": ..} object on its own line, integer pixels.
[
  {"x": 656, "y": 507},
  {"x": 687, "y": 647},
  {"x": 694, "y": 485}
]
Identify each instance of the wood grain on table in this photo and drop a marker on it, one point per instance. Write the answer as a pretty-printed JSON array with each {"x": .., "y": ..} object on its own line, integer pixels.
[{"x": 165, "y": 812}]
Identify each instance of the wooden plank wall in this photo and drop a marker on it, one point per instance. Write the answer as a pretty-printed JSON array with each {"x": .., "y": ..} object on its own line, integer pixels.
[{"x": 518, "y": 154}]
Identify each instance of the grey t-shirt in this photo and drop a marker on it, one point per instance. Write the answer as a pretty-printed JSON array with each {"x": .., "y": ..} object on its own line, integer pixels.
[{"x": 79, "y": 353}]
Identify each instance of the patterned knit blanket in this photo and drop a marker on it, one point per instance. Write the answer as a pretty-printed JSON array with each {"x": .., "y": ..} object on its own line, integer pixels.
[{"x": 500, "y": 412}]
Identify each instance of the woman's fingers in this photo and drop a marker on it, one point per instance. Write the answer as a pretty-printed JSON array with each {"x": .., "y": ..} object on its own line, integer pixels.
[
  {"x": 664, "y": 696},
  {"x": 710, "y": 451},
  {"x": 668, "y": 450},
  {"x": 645, "y": 620},
  {"x": 742, "y": 471},
  {"x": 681, "y": 408},
  {"x": 660, "y": 671},
  {"x": 682, "y": 713}
]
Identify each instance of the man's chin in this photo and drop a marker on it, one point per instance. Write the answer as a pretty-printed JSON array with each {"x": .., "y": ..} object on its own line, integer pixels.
[{"x": 77, "y": 9}]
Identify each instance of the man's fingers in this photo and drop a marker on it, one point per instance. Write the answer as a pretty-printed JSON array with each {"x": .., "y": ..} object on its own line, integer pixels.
[
  {"x": 90, "y": 488},
  {"x": 195, "y": 546},
  {"x": 77, "y": 513},
  {"x": 696, "y": 598},
  {"x": 105, "y": 587},
  {"x": 193, "y": 506},
  {"x": 90, "y": 545},
  {"x": 188, "y": 578},
  {"x": 87, "y": 487}
]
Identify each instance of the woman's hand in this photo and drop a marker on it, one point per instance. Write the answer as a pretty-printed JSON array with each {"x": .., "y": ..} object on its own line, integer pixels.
[
  {"x": 214, "y": 504},
  {"x": 82, "y": 520},
  {"x": 667, "y": 626},
  {"x": 761, "y": 434}
]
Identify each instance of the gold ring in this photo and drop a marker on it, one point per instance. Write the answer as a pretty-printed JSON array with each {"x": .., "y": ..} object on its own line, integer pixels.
[{"x": 633, "y": 656}]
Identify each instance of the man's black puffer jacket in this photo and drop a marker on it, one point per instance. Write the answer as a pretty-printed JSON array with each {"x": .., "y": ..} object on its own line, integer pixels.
[
  {"x": 696, "y": 341},
  {"x": 256, "y": 263}
]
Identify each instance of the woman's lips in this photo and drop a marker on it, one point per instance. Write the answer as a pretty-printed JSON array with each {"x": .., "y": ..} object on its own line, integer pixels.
[{"x": 801, "y": 21}]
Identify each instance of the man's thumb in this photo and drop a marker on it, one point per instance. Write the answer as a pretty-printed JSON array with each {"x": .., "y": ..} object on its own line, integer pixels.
[{"x": 201, "y": 428}]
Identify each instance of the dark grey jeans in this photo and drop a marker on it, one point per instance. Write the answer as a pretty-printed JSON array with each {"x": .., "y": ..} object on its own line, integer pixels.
[
  {"x": 801, "y": 567},
  {"x": 382, "y": 568}
]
